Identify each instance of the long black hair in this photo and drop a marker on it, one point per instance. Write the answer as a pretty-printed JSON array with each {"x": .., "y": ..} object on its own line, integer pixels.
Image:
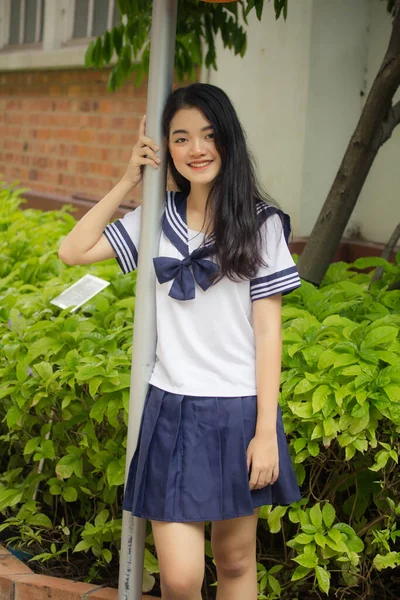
[{"x": 235, "y": 192}]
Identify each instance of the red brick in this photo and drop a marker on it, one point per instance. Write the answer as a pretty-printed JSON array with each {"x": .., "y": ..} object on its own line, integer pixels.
[
  {"x": 10, "y": 566},
  {"x": 6, "y": 587},
  {"x": 42, "y": 587}
]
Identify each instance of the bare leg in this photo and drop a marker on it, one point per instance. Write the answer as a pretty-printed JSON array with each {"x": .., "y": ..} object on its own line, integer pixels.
[
  {"x": 234, "y": 547},
  {"x": 180, "y": 552}
]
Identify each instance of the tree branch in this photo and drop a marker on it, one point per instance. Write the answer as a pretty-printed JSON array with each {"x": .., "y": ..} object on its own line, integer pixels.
[
  {"x": 387, "y": 252},
  {"x": 388, "y": 125}
]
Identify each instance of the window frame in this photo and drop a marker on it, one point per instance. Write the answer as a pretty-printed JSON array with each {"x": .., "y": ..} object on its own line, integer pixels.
[
  {"x": 5, "y": 16},
  {"x": 58, "y": 49}
]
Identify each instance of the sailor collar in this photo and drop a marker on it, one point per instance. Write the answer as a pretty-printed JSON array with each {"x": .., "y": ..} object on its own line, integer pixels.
[{"x": 195, "y": 266}]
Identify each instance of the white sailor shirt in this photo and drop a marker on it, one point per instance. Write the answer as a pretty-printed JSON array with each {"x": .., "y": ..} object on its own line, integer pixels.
[{"x": 205, "y": 336}]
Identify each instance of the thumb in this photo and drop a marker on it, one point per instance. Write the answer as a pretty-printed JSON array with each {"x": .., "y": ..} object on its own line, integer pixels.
[{"x": 248, "y": 461}]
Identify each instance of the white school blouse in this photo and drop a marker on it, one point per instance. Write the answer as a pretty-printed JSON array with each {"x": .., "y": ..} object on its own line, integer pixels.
[{"x": 206, "y": 345}]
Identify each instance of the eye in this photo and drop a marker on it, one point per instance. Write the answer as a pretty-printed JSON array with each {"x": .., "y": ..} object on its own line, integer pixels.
[
  {"x": 210, "y": 136},
  {"x": 179, "y": 140}
]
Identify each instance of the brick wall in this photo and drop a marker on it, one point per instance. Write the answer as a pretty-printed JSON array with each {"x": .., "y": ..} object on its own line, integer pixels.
[{"x": 62, "y": 133}]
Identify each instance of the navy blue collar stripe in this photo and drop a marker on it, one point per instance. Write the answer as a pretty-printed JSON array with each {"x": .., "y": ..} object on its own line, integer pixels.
[
  {"x": 179, "y": 219},
  {"x": 122, "y": 245},
  {"x": 173, "y": 221},
  {"x": 278, "y": 275},
  {"x": 283, "y": 288}
]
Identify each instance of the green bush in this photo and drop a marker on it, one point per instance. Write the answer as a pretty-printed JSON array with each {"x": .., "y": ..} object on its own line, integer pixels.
[{"x": 64, "y": 396}]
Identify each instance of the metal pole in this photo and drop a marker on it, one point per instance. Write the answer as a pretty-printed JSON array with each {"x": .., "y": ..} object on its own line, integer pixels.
[{"x": 163, "y": 33}]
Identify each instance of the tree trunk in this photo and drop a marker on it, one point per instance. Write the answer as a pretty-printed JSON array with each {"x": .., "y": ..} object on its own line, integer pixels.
[{"x": 377, "y": 121}]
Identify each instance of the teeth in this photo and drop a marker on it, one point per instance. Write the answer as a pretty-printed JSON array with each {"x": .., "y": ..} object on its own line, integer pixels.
[{"x": 203, "y": 164}]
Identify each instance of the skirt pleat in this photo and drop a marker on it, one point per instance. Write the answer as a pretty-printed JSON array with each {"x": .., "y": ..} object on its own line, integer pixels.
[{"x": 190, "y": 462}]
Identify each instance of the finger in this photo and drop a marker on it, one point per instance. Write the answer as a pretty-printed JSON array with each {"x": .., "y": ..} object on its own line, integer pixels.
[
  {"x": 253, "y": 478},
  {"x": 147, "y": 152},
  {"x": 148, "y": 161},
  {"x": 146, "y": 141},
  {"x": 261, "y": 481},
  {"x": 275, "y": 475},
  {"x": 142, "y": 127}
]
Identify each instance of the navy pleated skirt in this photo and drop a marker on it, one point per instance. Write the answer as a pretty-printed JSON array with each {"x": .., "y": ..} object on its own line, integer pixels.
[{"x": 190, "y": 462}]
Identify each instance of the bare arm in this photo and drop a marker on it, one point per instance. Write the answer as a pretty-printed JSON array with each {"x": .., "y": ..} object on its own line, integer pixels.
[
  {"x": 86, "y": 243},
  {"x": 267, "y": 329},
  {"x": 262, "y": 452}
]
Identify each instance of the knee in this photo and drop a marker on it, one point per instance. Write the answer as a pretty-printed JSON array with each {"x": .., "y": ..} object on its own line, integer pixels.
[
  {"x": 180, "y": 586},
  {"x": 232, "y": 565}
]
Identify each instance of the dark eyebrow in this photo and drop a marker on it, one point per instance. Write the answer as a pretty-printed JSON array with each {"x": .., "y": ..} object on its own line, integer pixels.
[{"x": 206, "y": 128}]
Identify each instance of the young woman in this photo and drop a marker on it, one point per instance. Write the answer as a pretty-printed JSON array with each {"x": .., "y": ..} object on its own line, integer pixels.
[{"x": 212, "y": 445}]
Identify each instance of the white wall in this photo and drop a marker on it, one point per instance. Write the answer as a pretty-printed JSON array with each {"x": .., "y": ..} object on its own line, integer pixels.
[
  {"x": 298, "y": 92},
  {"x": 269, "y": 88},
  {"x": 378, "y": 208},
  {"x": 337, "y": 75}
]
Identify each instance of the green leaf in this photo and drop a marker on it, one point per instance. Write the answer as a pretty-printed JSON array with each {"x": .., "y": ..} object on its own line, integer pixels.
[
  {"x": 32, "y": 445},
  {"x": 320, "y": 397},
  {"x": 300, "y": 572},
  {"x": 303, "y": 538},
  {"x": 274, "y": 518},
  {"x": 316, "y": 516},
  {"x": 299, "y": 444},
  {"x": 393, "y": 391},
  {"x": 116, "y": 472},
  {"x": 320, "y": 539},
  {"x": 306, "y": 560},
  {"x": 89, "y": 54},
  {"x": 335, "y": 535},
  {"x": 150, "y": 562},
  {"x": 83, "y": 546},
  {"x": 391, "y": 560},
  {"x": 107, "y": 555},
  {"x": 70, "y": 494},
  {"x": 328, "y": 514},
  {"x": 379, "y": 336},
  {"x": 329, "y": 426},
  {"x": 101, "y": 518},
  {"x": 313, "y": 448},
  {"x": 107, "y": 47},
  {"x": 323, "y": 578},
  {"x": 40, "y": 520}
]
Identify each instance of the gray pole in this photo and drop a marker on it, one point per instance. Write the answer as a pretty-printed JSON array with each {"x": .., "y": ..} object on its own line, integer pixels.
[{"x": 163, "y": 33}]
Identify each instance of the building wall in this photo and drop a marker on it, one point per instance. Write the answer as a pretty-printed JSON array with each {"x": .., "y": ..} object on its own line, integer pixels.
[
  {"x": 61, "y": 131},
  {"x": 269, "y": 88},
  {"x": 299, "y": 92},
  {"x": 378, "y": 209},
  {"x": 336, "y": 82}
]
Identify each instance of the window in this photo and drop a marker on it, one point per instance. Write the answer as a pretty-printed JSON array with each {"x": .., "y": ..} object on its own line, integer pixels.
[
  {"x": 38, "y": 34},
  {"x": 93, "y": 17},
  {"x": 25, "y": 22}
]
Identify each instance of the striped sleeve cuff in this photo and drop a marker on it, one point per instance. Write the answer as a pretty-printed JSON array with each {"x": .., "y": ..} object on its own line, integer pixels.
[
  {"x": 281, "y": 282},
  {"x": 122, "y": 245}
]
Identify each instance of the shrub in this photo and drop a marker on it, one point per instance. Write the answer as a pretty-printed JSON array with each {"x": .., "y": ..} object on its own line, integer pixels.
[{"x": 64, "y": 398}]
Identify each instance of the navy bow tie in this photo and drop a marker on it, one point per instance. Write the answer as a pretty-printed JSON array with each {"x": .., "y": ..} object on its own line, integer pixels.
[{"x": 183, "y": 287}]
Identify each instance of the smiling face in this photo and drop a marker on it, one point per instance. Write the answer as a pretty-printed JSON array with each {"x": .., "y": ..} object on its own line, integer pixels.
[{"x": 192, "y": 147}]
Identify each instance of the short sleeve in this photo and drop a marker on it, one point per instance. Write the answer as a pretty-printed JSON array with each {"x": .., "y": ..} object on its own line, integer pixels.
[
  {"x": 124, "y": 236},
  {"x": 279, "y": 274}
]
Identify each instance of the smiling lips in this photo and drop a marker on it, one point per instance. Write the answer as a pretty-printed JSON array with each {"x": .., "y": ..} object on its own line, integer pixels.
[{"x": 199, "y": 166}]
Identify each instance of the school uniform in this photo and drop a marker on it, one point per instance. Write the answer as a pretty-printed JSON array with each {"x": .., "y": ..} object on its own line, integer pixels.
[{"x": 201, "y": 408}]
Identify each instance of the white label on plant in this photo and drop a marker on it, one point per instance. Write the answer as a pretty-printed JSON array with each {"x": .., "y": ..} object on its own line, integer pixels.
[{"x": 80, "y": 292}]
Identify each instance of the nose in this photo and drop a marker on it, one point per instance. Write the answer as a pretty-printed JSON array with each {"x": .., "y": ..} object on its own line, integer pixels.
[{"x": 197, "y": 148}]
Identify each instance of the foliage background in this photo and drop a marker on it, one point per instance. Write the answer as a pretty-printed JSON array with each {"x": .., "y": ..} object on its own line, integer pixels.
[{"x": 64, "y": 388}]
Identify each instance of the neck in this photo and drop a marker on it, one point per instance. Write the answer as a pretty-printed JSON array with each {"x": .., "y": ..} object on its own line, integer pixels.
[
  {"x": 196, "y": 207},
  {"x": 197, "y": 198}
]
